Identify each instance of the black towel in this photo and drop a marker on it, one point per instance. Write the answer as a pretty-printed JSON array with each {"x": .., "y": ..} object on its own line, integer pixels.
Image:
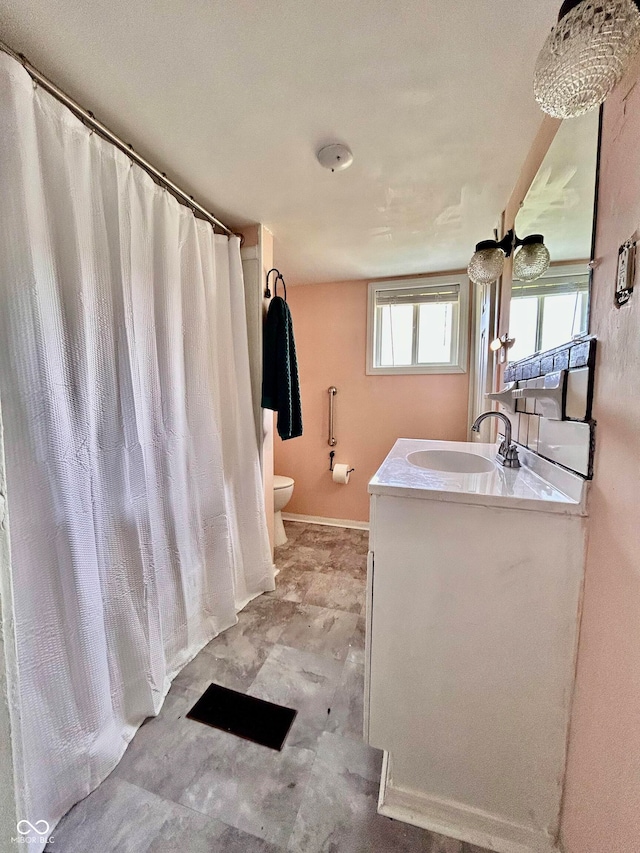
[{"x": 280, "y": 384}]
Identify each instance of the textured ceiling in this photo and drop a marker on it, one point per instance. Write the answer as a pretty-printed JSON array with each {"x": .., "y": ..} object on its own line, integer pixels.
[{"x": 232, "y": 98}]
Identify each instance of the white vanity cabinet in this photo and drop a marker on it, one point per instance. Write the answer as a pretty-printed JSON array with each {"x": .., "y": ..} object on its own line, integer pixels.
[{"x": 474, "y": 587}]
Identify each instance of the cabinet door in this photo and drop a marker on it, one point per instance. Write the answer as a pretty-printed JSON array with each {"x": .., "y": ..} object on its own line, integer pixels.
[{"x": 472, "y": 647}]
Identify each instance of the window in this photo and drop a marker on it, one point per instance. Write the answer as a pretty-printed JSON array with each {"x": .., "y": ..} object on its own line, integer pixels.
[
  {"x": 418, "y": 326},
  {"x": 548, "y": 312}
]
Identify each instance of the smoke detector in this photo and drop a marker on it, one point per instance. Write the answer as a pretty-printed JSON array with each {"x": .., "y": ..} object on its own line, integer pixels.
[{"x": 335, "y": 157}]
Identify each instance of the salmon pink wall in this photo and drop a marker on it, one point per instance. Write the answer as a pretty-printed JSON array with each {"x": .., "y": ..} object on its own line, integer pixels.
[
  {"x": 330, "y": 325},
  {"x": 602, "y": 797}
]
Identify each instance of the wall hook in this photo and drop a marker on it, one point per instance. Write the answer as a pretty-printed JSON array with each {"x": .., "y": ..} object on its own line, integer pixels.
[{"x": 267, "y": 292}]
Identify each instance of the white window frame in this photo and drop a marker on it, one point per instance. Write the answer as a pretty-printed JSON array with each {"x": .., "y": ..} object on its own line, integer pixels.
[
  {"x": 557, "y": 273},
  {"x": 460, "y": 332}
]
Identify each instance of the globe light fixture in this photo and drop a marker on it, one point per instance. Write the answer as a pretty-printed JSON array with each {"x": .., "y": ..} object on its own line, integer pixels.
[
  {"x": 487, "y": 262},
  {"x": 532, "y": 259},
  {"x": 586, "y": 55}
]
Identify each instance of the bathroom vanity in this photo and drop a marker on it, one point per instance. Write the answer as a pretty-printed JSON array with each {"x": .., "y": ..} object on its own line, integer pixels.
[{"x": 473, "y": 597}]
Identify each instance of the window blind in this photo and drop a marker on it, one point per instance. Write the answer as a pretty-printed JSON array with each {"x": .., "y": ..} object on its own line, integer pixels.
[
  {"x": 418, "y": 295},
  {"x": 550, "y": 286}
]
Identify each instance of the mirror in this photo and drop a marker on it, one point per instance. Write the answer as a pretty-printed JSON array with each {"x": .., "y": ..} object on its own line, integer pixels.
[{"x": 560, "y": 205}]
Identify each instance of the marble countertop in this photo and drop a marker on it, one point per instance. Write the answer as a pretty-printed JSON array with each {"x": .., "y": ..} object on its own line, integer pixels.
[{"x": 537, "y": 485}]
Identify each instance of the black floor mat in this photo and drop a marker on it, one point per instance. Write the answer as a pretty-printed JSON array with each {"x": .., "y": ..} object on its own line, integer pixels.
[{"x": 245, "y": 716}]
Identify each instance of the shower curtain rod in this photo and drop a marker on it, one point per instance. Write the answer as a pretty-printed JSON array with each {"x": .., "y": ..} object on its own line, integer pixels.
[{"x": 91, "y": 121}]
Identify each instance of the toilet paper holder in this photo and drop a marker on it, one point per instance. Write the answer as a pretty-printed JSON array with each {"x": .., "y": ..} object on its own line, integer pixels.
[{"x": 331, "y": 459}]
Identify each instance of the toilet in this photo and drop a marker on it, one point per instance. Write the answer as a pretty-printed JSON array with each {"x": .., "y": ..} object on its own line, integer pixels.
[{"x": 282, "y": 491}]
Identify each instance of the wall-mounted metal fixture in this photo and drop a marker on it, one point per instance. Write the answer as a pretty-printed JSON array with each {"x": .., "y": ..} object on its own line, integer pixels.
[
  {"x": 586, "y": 55},
  {"x": 531, "y": 259},
  {"x": 332, "y": 457},
  {"x": 507, "y": 454},
  {"x": 279, "y": 277},
  {"x": 89, "y": 119},
  {"x": 267, "y": 290},
  {"x": 332, "y": 393}
]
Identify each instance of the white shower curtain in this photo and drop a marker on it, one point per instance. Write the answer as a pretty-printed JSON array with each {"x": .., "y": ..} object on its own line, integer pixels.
[{"x": 136, "y": 517}]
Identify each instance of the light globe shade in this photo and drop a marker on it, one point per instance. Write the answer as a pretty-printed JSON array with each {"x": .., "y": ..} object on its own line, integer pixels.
[
  {"x": 586, "y": 55},
  {"x": 531, "y": 261},
  {"x": 486, "y": 265}
]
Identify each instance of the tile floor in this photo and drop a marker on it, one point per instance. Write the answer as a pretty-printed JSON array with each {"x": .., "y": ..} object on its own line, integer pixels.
[{"x": 182, "y": 787}]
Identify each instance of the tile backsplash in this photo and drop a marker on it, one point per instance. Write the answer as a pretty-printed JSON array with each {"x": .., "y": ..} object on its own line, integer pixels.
[
  {"x": 577, "y": 399},
  {"x": 569, "y": 441},
  {"x": 566, "y": 442}
]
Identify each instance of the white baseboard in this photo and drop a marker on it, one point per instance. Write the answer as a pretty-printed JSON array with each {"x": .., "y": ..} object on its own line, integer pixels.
[
  {"x": 458, "y": 821},
  {"x": 329, "y": 522}
]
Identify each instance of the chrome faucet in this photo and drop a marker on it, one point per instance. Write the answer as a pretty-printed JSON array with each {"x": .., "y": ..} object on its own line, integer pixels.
[{"x": 507, "y": 454}]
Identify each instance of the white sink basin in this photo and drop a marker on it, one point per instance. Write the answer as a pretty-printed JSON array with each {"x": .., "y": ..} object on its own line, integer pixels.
[
  {"x": 451, "y": 461},
  {"x": 466, "y": 472}
]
